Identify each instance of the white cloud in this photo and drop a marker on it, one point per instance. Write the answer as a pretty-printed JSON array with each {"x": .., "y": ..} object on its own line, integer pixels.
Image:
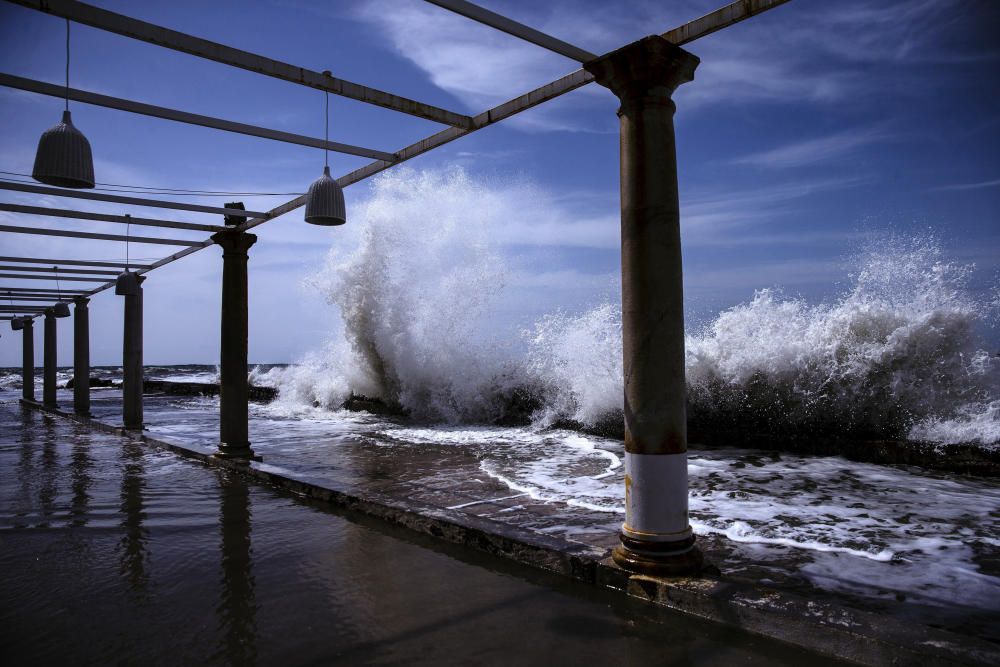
[
  {"x": 811, "y": 151},
  {"x": 968, "y": 186}
]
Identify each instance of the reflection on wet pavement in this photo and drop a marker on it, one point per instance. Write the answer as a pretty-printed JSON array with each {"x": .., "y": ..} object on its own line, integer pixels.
[{"x": 117, "y": 553}]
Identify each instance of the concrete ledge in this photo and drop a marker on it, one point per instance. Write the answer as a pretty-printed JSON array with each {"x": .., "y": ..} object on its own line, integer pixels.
[{"x": 815, "y": 624}]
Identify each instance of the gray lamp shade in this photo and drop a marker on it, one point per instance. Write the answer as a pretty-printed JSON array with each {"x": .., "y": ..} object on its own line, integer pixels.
[
  {"x": 61, "y": 309},
  {"x": 17, "y": 324},
  {"x": 126, "y": 284},
  {"x": 325, "y": 202},
  {"x": 63, "y": 158}
]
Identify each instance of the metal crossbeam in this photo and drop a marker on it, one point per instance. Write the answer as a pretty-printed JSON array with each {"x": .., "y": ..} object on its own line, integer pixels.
[
  {"x": 15, "y": 309},
  {"x": 203, "y": 48},
  {"x": 53, "y": 276},
  {"x": 37, "y": 269},
  {"x": 42, "y": 297},
  {"x": 97, "y": 99},
  {"x": 13, "y": 229},
  {"x": 719, "y": 19},
  {"x": 105, "y": 217},
  {"x": 36, "y": 291},
  {"x": 152, "y": 203},
  {"x": 511, "y": 27},
  {"x": 75, "y": 262}
]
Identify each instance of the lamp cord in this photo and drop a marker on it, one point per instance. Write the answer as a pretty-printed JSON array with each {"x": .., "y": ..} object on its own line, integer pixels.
[
  {"x": 58, "y": 286},
  {"x": 67, "y": 64},
  {"x": 128, "y": 233},
  {"x": 326, "y": 150}
]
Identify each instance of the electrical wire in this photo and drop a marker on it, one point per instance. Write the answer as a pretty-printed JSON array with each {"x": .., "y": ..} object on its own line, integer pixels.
[{"x": 67, "y": 64}]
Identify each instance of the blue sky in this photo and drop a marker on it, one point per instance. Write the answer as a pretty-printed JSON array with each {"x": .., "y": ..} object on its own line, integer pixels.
[{"x": 808, "y": 131}]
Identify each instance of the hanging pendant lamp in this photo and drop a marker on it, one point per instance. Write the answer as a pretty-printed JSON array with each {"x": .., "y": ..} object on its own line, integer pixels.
[
  {"x": 63, "y": 158},
  {"x": 16, "y": 323},
  {"x": 61, "y": 308},
  {"x": 325, "y": 201},
  {"x": 127, "y": 283}
]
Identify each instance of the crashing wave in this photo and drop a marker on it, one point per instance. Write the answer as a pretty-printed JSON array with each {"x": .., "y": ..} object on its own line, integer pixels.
[{"x": 896, "y": 355}]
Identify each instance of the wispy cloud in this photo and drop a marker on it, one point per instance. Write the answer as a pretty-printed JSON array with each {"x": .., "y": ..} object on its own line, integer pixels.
[
  {"x": 819, "y": 149},
  {"x": 968, "y": 186},
  {"x": 707, "y": 216}
]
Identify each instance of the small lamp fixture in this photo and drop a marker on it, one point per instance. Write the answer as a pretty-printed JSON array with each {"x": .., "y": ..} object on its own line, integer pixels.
[
  {"x": 15, "y": 322},
  {"x": 127, "y": 283},
  {"x": 325, "y": 201},
  {"x": 63, "y": 158},
  {"x": 61, "y": 308}
]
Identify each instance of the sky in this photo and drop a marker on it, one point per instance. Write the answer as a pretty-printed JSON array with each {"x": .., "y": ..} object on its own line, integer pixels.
[{"x": 810, "y": 132}]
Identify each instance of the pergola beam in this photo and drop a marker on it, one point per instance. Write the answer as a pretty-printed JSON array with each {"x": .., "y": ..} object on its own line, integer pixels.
[
  {"x": 78, "y": 279},
  {"x": 186, "y": 117},
  {"x": 75, "y": 262},
  {"x": 511, "y": 27},
  {"x": 40, "y": 269},
  {"x": 719, "y": 19},
  {"x": 136, "y": 201},
  {"x": 37, "y": 291},
  {"x": 105, "y": 217},
  {"x": 203, "y": 48},
  {"x": 17, "y": 299},
  {"x": 13, "y": 229}
]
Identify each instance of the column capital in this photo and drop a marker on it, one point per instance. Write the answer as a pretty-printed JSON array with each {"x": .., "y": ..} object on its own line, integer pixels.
[
  {"x": 81, "y": 301},
  {"x": 28, "y": 322},
  {"x": 234, "y": 240},
  {"x": 651, "y": 66},
  {"x": 50, "y": 313}
]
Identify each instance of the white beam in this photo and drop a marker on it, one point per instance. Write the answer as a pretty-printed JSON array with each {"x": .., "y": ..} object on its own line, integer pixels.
[
  {"x": 512, "y": 27},
  {"x": 136, "y": 201},
  {"x": 13, "y": 229}
]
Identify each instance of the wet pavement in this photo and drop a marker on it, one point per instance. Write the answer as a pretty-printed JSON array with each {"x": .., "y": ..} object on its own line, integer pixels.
[
  {"x": 920, "y": 546},
  {"x": 118, "y": 553}
]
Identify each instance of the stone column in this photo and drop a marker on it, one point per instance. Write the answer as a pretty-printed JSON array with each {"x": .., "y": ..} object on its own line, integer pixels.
[
  {"x": 656, "y": 537},
  {"x": 81, "y": 356},
  {"x": 132, "y": 359},
  {"x": 234, "y": 394},
  {"x": 28, "y": 360},
  {"x": 49, "y": 360}
]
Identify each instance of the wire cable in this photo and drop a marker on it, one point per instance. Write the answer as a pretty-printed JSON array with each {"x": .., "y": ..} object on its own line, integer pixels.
[{"x": 67, "y": 64}]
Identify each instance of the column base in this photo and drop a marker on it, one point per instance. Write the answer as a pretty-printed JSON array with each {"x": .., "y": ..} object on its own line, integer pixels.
[
  {"x": 664, "y": 559},
  {"x": 240, "y": 452}
]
